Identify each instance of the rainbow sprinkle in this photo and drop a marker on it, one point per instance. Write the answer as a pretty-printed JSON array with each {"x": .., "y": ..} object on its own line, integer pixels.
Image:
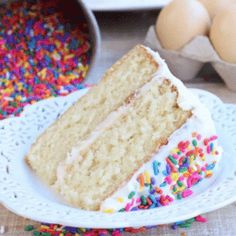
[
  {"x": 59, "y": 230},
  {"x": 42, "y": 54},
  {"x": 185, "y": 167}
]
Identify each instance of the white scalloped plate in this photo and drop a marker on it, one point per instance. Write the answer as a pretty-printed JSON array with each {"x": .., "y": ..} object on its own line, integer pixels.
[
  {"x": 22, "y": 193},
  {"x": 125, "y": 5}
]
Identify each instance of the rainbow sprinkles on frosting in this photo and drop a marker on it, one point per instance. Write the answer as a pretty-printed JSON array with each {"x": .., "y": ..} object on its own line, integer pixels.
[{"x": 161, "y": 182}]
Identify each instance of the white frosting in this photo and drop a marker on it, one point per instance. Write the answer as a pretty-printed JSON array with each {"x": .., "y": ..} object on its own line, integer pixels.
[
  {"x": 184, "y": 133},
  {"x": 186, "y": 100},
  {"x": 200, "y": 121}
]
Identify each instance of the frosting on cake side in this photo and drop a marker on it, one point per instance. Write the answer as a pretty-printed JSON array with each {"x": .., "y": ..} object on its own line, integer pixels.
[
  {"x": 192, "y": 153},
  {"x": 190, "y": 156}
]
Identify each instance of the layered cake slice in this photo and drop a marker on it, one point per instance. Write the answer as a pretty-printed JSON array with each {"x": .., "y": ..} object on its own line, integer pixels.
[
  {"x": 147, "y": 152},
  {"x": 137, "y": 140},
  {"x": 126, "y": 76}
]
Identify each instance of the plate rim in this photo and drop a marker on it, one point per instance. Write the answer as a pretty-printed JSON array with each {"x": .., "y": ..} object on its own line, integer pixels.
[{"x": 98, "y": 7}]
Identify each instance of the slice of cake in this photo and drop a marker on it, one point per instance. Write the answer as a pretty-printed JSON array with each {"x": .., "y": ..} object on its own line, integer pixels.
[
  {"x": 119, "y": 83},
  {"x": 137, "y": 140},
  {"x": 152, "y": 149}
]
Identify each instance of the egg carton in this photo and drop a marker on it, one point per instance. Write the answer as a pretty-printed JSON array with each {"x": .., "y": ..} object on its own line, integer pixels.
[{"x": 187, "y": 62}]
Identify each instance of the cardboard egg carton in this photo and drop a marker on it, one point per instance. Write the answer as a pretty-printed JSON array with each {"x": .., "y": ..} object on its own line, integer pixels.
[{"x": 187, "y": 62}]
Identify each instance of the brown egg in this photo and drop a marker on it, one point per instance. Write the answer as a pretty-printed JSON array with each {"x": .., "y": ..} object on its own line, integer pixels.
[
  {"x": 181, "y": 21},
  {"x": 223, "y": 35},
  {"x": 214, "y": 7}
]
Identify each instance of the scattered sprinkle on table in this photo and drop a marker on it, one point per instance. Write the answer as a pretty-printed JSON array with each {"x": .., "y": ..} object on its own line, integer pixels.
[
  {"x": 42, "y": 54},
  {"x": 58, "y": 230}
]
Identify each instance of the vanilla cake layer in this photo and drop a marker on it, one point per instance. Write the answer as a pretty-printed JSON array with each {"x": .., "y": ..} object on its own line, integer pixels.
[
  {"x": 98, "y": 166},
  {"x": 120, "y": 82}
]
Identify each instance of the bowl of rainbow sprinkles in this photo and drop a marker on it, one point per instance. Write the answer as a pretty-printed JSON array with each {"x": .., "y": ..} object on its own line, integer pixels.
[{"x": 47, "y": 49}]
